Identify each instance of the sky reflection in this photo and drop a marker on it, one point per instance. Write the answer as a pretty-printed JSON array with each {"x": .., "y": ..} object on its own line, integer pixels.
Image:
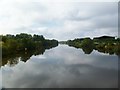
[{"x": 63, "y": 66}]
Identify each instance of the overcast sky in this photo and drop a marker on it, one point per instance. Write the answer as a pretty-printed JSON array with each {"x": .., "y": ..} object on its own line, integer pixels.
[{"x": 59, "y": 19}]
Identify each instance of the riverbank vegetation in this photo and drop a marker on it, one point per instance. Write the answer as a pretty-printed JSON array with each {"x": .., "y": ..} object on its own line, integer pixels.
[
  {"x": 25, "y": 43},
  {"x": 13, "y": 44},
  {"x": 105, "y": 44}
]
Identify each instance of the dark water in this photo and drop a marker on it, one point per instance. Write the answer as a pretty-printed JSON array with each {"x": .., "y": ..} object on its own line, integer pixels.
[{"x": 62, "y": 67}]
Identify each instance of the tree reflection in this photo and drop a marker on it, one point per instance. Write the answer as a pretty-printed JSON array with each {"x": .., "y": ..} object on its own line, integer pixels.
[
  {"x": 87, "y": 50},
  {"x": 13, "y": 59}
]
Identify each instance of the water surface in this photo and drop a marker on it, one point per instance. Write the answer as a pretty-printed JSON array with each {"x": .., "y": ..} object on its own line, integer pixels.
[{"x": 62, "y": 67}]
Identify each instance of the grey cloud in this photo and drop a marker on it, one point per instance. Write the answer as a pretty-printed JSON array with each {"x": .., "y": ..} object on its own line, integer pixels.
[
  {"x": 101, "y": 18},
  {"x": 32, "y": 7}
]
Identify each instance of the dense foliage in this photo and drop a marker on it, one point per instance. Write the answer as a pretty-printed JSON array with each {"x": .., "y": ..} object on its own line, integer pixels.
[
  {"x": 24, "y": 42},
  {"x": 104, "y": 44}
]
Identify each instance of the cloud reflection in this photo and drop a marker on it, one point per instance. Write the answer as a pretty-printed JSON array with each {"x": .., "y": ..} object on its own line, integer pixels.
[{"x": 64, "y": 67}]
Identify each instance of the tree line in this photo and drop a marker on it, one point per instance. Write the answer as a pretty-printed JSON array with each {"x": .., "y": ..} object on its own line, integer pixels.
[
  {"x": 105, "y": 44},
  {"x": 11, "y": 44}
]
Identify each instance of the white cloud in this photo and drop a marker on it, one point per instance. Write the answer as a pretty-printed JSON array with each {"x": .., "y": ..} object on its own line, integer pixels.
[{"x": 61, "y": 20}]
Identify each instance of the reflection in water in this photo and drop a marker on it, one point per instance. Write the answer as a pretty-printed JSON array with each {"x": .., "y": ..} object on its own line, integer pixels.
[
  {"x": 63, "y": 66},
  {"x": 23, "y": 56},
  {"x": 87, "y": 50}
]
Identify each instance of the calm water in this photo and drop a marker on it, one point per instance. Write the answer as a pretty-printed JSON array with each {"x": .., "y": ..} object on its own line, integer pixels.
[{"x": 62, "y": 66}]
